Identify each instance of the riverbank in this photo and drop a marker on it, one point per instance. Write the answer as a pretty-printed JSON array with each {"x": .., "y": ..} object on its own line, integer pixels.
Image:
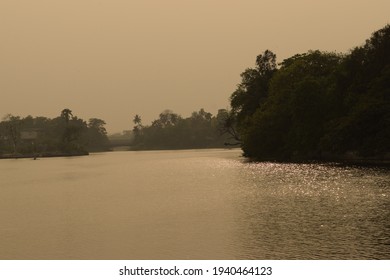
[{"x": 42, "y": 155}]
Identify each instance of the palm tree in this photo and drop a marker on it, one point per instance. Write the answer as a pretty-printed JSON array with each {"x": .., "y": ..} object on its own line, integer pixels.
[
  {"x": 137, "y": 120},
  {"x": 137, "y": 129}
]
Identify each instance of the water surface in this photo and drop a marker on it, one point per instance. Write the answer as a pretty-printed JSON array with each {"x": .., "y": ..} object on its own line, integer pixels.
[{"x": 193, "y": 204}]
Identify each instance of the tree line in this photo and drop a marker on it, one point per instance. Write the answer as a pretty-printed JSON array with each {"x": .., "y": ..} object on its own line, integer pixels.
[
  {"x": 316, "y": 105},
  {"x": 64, "y": 135},
  {"x": 172, "y": 131}
]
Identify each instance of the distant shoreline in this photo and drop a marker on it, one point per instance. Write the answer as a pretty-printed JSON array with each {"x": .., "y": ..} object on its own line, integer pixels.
[
  {"x": 342, "y": 160},
  {"x": 45, "y": 155}
]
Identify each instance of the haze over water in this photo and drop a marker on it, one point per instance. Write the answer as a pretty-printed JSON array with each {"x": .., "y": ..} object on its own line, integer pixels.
[
  {"x": 192, "y": 204},
  {"x": 112, "y": 59}
]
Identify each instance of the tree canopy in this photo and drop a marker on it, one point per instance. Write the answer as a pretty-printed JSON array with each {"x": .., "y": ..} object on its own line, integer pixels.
[
  {"x": 65, "y": 134},
  {"x": 317, "y": 105},
  {"x": 171, "y": 131}
]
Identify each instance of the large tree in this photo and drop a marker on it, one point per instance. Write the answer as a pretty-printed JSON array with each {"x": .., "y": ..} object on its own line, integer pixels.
[
  {"x": 317, "y": 104},
  {"x": 11, "y": 130},
  {"x": 97, "y": 135},
  {"x": 254, "y": 87}
]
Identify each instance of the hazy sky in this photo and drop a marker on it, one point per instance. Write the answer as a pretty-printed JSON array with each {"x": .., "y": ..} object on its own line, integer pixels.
[{"x": 112, "y": 59}]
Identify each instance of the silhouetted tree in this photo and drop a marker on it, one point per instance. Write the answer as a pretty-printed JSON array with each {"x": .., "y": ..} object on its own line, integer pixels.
[
  {"x": 171, "y": 131},
  {"x": 97, "y": 135},
  {"x": 11, "y": 131},
  {"x": 137, "y": 120},
  {"x": 253, "y": 89},
  {"x": 66, "y": 114},
  {"x": 317, "y": 104},
  {"x": 227, "y": 125}
]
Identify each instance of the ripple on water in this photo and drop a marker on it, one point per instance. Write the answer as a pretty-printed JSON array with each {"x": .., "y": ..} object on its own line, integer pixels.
[
  {"x": 314, "y": 211},
  {"x": 204, "y": 204}
]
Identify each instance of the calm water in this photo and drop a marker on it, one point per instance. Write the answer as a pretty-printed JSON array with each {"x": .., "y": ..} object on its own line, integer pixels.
[{"x": 205, "y": 204}]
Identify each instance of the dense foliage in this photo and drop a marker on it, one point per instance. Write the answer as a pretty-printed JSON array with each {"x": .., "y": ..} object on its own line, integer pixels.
[
  {"x": 317, "y": 105},
  {"x": 171, "y": 131},
  {"x": 65, "y": 134}
]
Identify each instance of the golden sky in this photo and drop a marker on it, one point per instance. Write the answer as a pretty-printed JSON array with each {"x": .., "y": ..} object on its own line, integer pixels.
[{"x": 112, "y": 59}]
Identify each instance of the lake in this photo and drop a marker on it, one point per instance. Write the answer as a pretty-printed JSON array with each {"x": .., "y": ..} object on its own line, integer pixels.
[{"x": 191, "y": 204}]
